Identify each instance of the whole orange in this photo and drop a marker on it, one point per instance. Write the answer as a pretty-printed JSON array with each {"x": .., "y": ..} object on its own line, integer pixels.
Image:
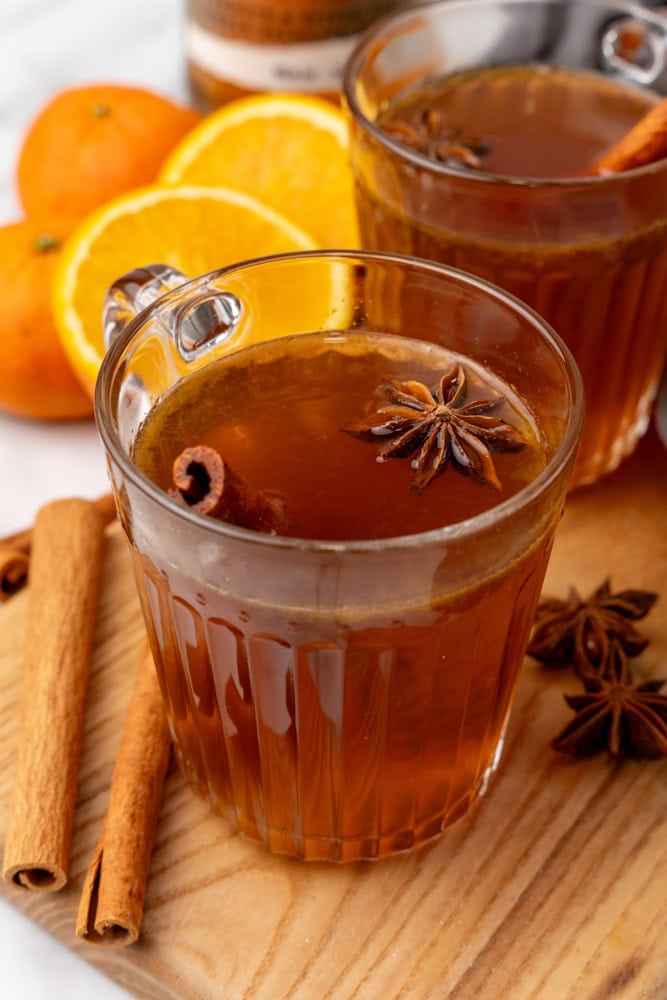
[
  {"x": 91, "y": 143},
  {"x": 35, "y": 377}
]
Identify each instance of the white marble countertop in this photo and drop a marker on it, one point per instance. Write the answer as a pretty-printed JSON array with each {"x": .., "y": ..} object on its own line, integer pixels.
[{"x": 45, "y": 46}]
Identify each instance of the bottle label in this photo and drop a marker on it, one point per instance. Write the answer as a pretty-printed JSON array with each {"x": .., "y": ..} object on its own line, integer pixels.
[{"x": 311, "y": 67}]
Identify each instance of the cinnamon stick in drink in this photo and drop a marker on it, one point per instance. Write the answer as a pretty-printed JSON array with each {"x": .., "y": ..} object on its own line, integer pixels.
[
  {"x": 112, "y": 900},
  {"x": 204, "y": 481},
  {"x": 67, "y": 550},
  {"x": 15, "y": 552},
  {"x": 645, "y": 143}
]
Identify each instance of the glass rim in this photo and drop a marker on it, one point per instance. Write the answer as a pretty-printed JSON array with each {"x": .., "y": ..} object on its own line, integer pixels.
[
  {"x": 497, "y": 514},
  {"x": 431, "y": 8}
]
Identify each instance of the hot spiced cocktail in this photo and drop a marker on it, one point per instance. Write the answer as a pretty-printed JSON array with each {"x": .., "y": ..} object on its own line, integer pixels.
[
  {"x": 339, "y": 540},
  {"x": 490, "y": 155}
]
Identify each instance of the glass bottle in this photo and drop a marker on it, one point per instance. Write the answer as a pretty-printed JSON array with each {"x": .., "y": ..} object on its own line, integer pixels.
[{"x": 238, "y": 47}]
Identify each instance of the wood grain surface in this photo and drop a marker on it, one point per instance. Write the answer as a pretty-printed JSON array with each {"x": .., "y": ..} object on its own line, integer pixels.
[{"x": 553, "y": 888}]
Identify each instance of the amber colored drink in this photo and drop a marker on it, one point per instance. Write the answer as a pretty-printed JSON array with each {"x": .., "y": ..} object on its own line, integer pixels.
[
  {"x": 338, "y": 676},
  {"x": 278, "y": 414},
  {"x": 588, "y": 253},
  {"x": 364, "y": 729}
]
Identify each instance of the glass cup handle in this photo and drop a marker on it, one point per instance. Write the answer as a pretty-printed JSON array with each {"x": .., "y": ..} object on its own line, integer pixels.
[
  {"x": 134, "y": 291},
  {"x": 636, "y": 50},
  {"x": 205, "y": 318}
]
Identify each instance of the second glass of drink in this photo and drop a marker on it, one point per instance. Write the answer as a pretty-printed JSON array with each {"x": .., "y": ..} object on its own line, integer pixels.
[{"x": 478, "y": 130}]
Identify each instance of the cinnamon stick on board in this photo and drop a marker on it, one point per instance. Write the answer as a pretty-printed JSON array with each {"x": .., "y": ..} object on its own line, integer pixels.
[
  {"x": 13, "y": 571},
  {"x": 112, "y": 900},
  {"x": 15, "y": 552},
  {"x": 645, "y": 143},
  {"x": 67, "y": 550}
]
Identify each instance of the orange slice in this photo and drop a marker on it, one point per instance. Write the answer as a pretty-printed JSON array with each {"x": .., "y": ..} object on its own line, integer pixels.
[
  {"x": 194, "y": 229},
  {"x": 289, "y": 151}
]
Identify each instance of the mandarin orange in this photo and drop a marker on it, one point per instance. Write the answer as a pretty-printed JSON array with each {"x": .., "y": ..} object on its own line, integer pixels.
[
  {"x": 35, "y": 377},
  {"x": 92, "y": 143},
  {"x": 288, "y": 150},
  {"x": 192, "y": 229}
]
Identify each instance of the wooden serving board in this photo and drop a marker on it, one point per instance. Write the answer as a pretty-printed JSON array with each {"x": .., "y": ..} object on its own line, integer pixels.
[{"x": 554, "y": 888}]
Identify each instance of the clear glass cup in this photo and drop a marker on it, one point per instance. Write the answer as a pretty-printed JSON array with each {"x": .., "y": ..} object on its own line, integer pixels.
[
  {"x": 336, "y": 700},
  {"x": 589, "y": 254}
]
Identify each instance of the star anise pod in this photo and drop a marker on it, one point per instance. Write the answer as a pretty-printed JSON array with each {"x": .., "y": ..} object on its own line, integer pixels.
[
  {"x": 441, "y": 428},
  {"x": 614, "y": 714},
  {"x": 576, "y": 632},
  {"x": 429, "y": 136}
]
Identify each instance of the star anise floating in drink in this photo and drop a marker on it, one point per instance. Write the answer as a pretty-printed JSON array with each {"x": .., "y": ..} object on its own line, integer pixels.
[
  {"x": 597, "y": 638},
  {"x": 440, "y": 428},
  {"x": 429, "y": 136}
]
